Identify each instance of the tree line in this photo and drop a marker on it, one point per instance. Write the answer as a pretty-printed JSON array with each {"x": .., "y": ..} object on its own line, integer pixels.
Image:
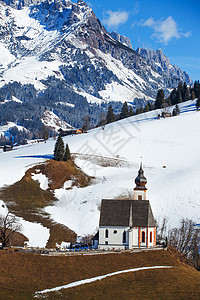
[
  {"x": 178, "y": 95},
  {"x": 185, "y": 238}
]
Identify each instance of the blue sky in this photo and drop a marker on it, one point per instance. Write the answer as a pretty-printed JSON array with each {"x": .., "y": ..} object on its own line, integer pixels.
[{"x": 173, "y": 26}]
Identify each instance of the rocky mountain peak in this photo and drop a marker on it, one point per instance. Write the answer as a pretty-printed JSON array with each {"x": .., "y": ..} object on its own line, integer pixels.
[
  {"x": 162, "y": 64},
  {"x": 18, "y": 4},
  {"x": 121, "y": 38},
  {"x": 57, "y": 56},
  {"x": 82, "y": 3}
]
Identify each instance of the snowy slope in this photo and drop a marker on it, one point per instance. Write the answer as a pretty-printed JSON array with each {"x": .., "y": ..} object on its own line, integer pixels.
[
  {"x": 50, "y": 119},
  {"x": 49, "y": 38},
  {"x": 170, "y": 154},
  {"x": 5, "y": 129},
  {"x": 29, "y": 229}
]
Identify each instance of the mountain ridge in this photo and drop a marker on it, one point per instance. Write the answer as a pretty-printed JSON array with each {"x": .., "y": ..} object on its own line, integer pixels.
[
  {"x": 58, "y": 52},
  {"x": 161, "y": 63}
]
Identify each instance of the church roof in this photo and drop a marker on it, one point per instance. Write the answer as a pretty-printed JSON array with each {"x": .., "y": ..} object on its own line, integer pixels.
[{"x": 120, "y": 212}]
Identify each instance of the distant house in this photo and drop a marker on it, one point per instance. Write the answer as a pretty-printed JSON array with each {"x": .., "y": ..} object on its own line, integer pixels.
[
  {"x": 71, "y": 131},
  {"x": 128, "y": 223},
  {"x": 79, "y": 131},
  {"x": 7, "y": 148},
  {"x": 166, "y": 114}
]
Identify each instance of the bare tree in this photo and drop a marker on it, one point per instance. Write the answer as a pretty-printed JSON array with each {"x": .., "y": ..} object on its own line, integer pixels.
[
  {"x": 161, "y": 231},
  {"x": 186, "y": 240},
  {"x": 102, "y": 120},
  {"x": 45, "y": 133},
  {"x": 86, "y": 122},
  {"x": 8, "y": 226},
  {"x": 86, "y": 239}
]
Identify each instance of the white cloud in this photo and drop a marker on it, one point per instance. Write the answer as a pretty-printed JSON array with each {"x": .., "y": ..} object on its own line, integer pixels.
[
  {"x": 187, "y": 34},
  {"x": 135, "y": 8},
  {"x": 115, "y": 18},
  {"x": 165, "y": 30}
]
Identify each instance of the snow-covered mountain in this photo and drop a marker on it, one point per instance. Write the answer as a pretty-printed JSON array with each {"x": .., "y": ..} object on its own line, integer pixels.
[
  {"x": 121, "y": 38},
  {"x": 52, "y": 121},
  {"x": 5, "y": 130},
  {"x": 170, "y": 153},
  {"x": 56, "y": 53},
  {"x": 66, "y": 40},
  {"x": 18, "y": 4},
  {"x": 162, "y": 65}
]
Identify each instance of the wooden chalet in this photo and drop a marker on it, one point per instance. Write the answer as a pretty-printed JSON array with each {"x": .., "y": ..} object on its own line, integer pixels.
[{"x": 71, "y": 131}]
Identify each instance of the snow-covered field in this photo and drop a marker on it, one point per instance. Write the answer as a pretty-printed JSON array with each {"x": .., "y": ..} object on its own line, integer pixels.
[{"x": 170, "y": 153}]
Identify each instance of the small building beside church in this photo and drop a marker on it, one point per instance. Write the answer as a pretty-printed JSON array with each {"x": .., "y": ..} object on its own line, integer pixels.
[{"x": 128, "y": 223}]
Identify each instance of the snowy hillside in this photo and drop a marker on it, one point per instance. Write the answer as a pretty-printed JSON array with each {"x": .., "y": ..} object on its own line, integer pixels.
[
  {"x": 58, "y": 38},
  {"x": 170, "y": 154},
  {"x": 57, "y": 56},
  {"x": 5, "y": 130},
  {"x": 51, "y": 120}
]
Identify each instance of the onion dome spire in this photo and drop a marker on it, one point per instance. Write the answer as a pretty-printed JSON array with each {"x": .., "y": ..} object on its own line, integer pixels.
[{"x": 140, "y": 180}]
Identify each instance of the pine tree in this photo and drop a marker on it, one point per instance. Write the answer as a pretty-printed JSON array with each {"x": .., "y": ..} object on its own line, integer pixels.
[
  {"x": 110, "y": 115},
  {"x": 141, "y": 110},
  {"x": 192, "y": 95},
  {"x": 185, "y": 94},
  {"x": 131, "y": 113},
  {"x": 124, "y": 111},
  {"x": 137, "y": 111},
  {"x": 59, "y": 149},
  {"x": 169, "y": 101},
  {"x": 67, "y": 155},
  {"x": 197, "y": 89},
  {"x": 177, "y": 109},
  {"x": 174, "y": 112},
  {"x": 151, "y": 106},
  {"x": 179, "y": 97},
  {"x": 198, "y": 103},
  {"x": 159, "y": 99},
  {"x": 146, "y": 109},
  {"x": 180, "y": 88},
  {"x": 175, "y": 97}
]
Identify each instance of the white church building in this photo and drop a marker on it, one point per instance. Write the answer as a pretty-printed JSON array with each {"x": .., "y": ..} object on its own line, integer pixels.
[{"x": 127, "y": 223}]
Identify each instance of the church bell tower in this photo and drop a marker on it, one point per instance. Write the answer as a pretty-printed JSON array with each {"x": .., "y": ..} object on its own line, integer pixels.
[{"x": 140, "y": 189}]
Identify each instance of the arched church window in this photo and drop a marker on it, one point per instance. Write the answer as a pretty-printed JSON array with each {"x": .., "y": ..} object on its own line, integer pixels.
[
  {"x": 143, "y": 237},
  {"x": 124, "y": 236},
  {"x": 106, "y": 233},
  {"x": 150, "y": 237}
]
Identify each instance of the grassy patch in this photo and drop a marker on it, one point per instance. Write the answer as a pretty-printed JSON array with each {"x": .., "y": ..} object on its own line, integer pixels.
[
  {"x": 24, "y": 274},
  {"x": 25, "y": 198},
  {"x": 25, "y": 195},
  {"x": 58, "y": 172},
  {"x": 176, "y": 283}
]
